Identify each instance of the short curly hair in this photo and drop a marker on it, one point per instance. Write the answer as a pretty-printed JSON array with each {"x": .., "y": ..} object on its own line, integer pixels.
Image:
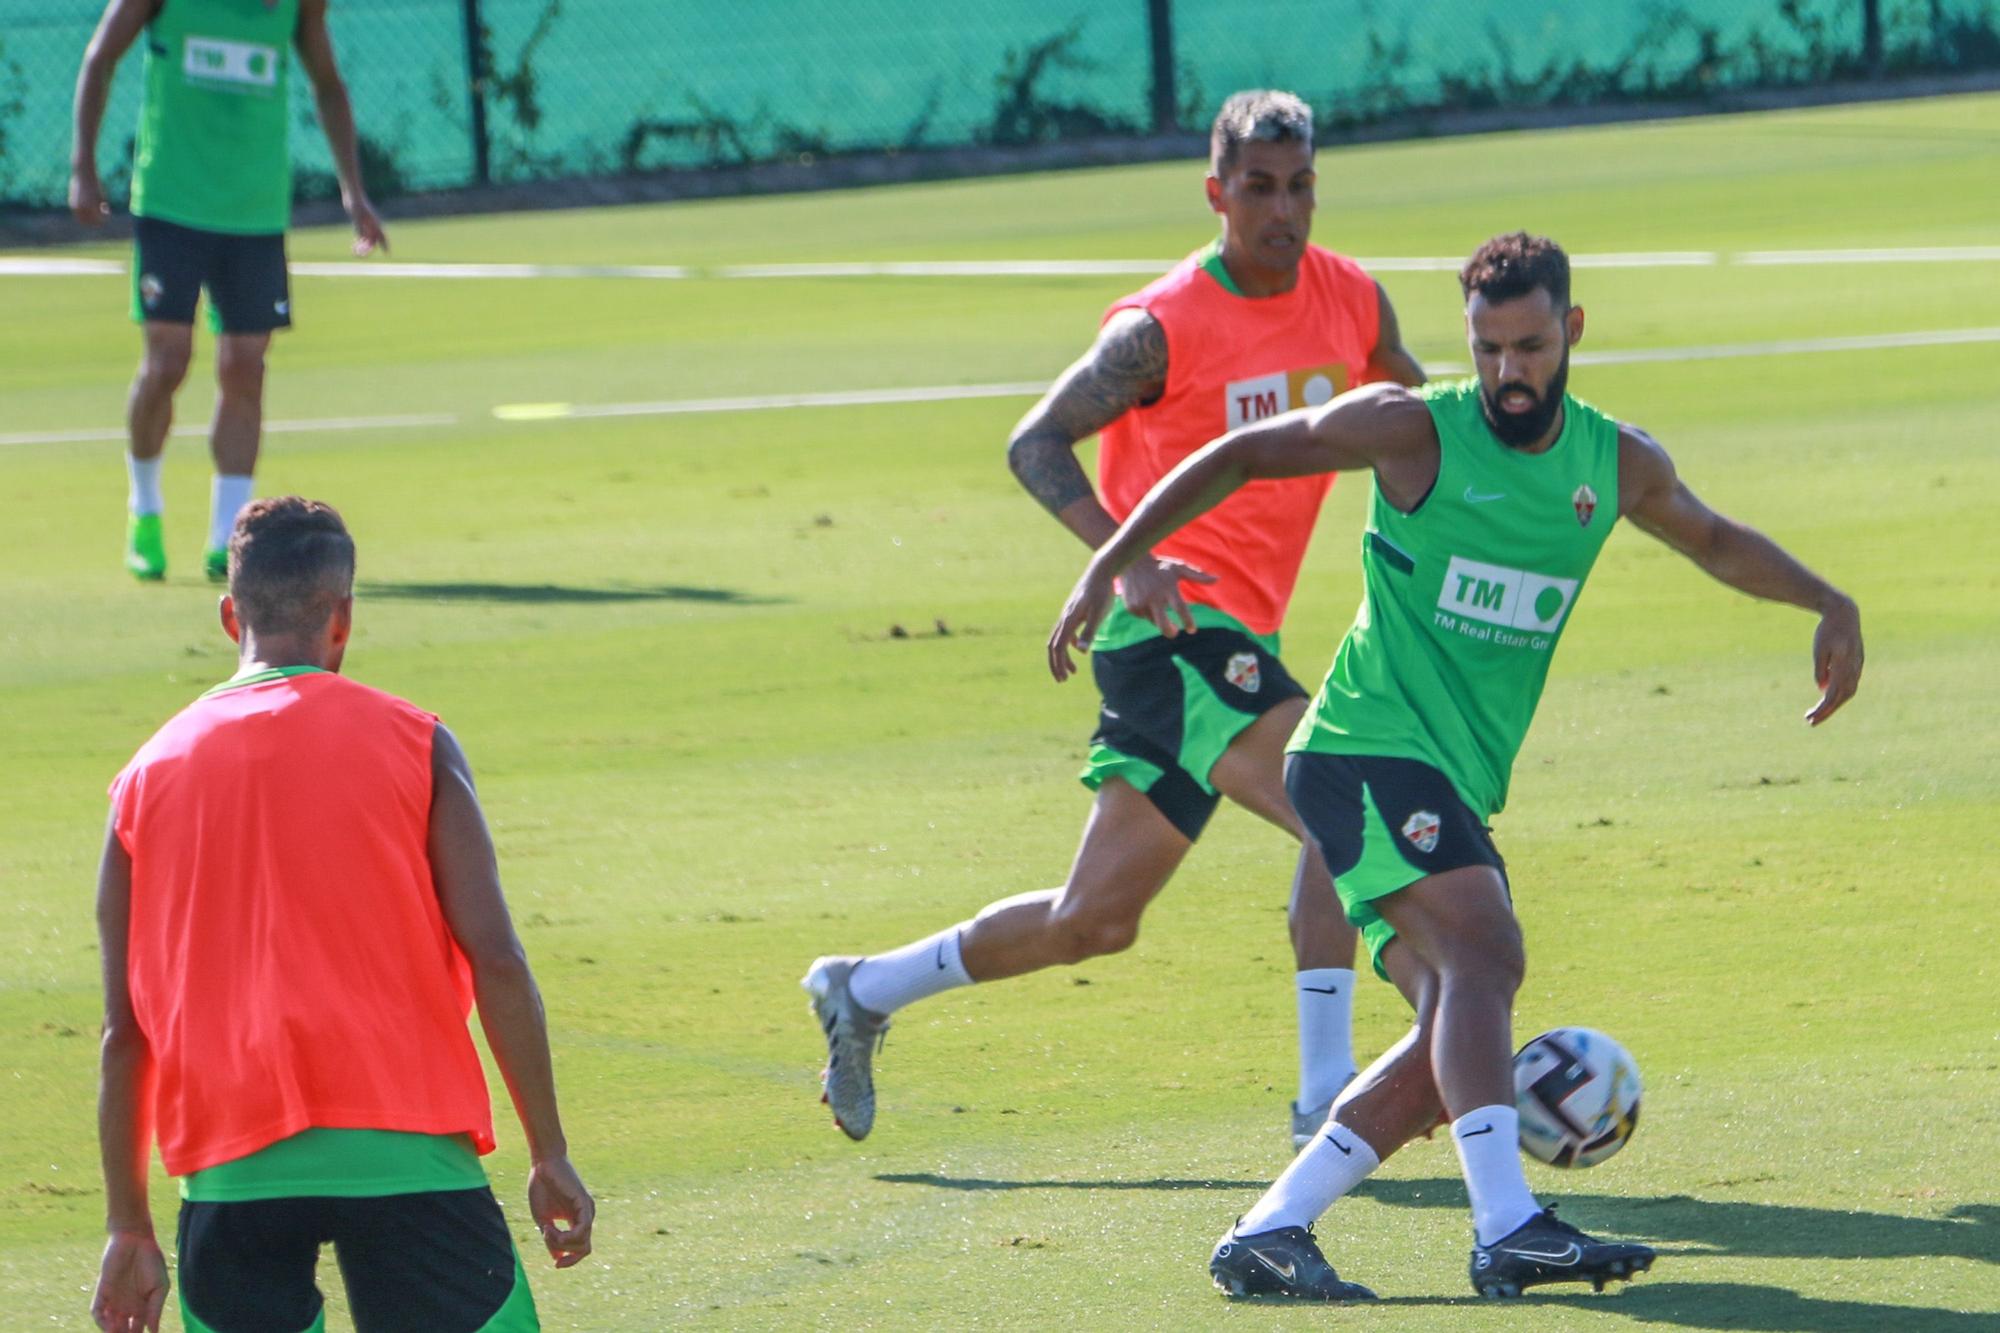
[
  {"x": 291, "y": 561},
  {"x": 1261, "y": 114},
  {"x": 1513, "y": 265}
]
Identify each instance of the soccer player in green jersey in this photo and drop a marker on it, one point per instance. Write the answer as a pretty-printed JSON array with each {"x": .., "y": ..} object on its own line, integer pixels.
[
  {"x": 211, "y": 198},
  {"x": 1491, "y": 500}
]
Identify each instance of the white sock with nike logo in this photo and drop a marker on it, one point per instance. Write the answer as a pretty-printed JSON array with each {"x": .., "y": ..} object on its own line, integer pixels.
[
  {"x": 1335, "y": 1162},
  {"x": 1489, "y": 1150},
  {"x": 884, "y": 982},
  {"x": 1326, "y": 1033}
]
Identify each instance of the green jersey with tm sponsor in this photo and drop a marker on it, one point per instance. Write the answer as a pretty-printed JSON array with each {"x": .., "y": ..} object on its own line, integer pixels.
[
  {"x": 1465, "y": 598},
  {"x": 214, "y": 147}
]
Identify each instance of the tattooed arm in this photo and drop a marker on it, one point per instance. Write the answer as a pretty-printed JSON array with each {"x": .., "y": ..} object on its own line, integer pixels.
[{"x": 1124, "y": 368}]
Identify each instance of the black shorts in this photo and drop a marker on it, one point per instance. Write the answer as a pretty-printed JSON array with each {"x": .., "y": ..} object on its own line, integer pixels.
[
  {"x": 437, "y": 1262},
  {"x": 1383, "y": 824},
  {"x": 249, "y": 290},
  {"x": 1172, "y": 706}
]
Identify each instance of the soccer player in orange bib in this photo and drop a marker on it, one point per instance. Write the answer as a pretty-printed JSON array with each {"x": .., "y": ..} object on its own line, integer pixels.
[
  {"x": 1197, "y": 705},
  {"x": 298, "y": 905}
]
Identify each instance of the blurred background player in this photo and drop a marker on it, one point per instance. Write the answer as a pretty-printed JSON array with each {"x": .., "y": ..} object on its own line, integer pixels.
[
  {"x": 298, "y": 905},
  {"x": 211, "y": 198},
  {"x": 1492, "y": 498},
  {"x": 1197, "y": 704}
]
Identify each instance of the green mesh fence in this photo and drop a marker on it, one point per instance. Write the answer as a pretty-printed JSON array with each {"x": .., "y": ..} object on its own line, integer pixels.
[{"x": 590, "y": 87}]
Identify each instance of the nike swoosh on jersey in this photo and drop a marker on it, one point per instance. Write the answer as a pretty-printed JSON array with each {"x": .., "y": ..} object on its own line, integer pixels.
[
  {"x": 1478, "y": 498},
  {"x": 1475, "y": 1133}
]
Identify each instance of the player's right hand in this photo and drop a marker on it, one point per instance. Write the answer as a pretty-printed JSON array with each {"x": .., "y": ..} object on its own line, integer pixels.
[
  {"x": 86, "y": 199},
  {"x": 1151, "y": 589},
  {"x": 1081, "y": 615},
  {"x": 131, "y": 1285},
  {"x": 562, "y": 1208}
]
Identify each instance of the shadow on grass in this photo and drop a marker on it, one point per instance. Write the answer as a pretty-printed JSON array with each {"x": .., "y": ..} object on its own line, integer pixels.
[
  {"x": 1753, "y": 1230},
  {"x": 532, "y": 594},
  {"x": 976, "y": 1183},
  {"x": 1688, "y": 1227},
  {"x": 1734, "y": 1305}
]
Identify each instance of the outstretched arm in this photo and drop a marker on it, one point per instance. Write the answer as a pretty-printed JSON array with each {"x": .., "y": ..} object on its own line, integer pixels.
[
  {"x": 121, "y": 25},
  {"x": 1352, "y": 431},
  {"x": 1391, "y": 360},
  {"x": 336, "y": 120},
  {"x": 1652, "y": 495},
  {"x": 1125, "y": 368},
  {"x": 467, "y": 878}
]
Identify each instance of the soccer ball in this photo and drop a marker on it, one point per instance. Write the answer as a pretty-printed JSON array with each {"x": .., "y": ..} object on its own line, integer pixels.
[{"x": 1578, "y": 1094}]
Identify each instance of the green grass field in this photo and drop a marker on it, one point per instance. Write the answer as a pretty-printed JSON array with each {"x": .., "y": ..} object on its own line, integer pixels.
[{"x": 666, "y": 644}]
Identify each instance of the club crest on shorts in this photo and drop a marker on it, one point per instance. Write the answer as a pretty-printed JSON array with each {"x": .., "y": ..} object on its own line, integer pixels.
[
  {"x": 1585, "y": 504},
  {"x": 151, "y": 289},
  {"x": 1421, "y": 829},
  {"x": 1242, "y": 672}
]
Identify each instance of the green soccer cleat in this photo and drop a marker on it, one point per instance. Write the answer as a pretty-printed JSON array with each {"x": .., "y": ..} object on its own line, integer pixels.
[
  {"x": 145, "y": 548},
  {"x": 215, "y": 563}
]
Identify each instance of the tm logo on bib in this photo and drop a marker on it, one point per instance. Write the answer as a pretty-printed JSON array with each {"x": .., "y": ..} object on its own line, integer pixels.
[
  {"x": 1511, "y": 598},
  {"x": 1245, "y": 401},
  {"x": 245, "y": 65}
]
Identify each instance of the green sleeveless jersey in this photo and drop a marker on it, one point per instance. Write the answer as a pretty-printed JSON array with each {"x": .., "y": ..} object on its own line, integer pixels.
[
  {"x": 214, "y": 147},
  {"x": 1465, "y": 598}
]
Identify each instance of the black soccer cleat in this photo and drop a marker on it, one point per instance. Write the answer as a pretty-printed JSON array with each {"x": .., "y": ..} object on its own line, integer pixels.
[
  {"x": 1281, "y": 1262},
  {"x": 1547, "y": 1249}
]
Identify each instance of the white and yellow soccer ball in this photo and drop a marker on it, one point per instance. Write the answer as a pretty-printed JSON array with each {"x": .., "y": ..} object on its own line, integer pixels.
[{"x": 1578, "y": 1094}]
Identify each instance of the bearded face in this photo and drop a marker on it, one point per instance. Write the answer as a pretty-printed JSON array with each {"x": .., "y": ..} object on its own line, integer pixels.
[
  {"x": 1520, "y": 347},
  {"x": 1519, "y": 413}
]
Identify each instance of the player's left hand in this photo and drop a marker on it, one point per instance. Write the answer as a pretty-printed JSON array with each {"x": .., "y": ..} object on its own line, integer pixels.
[
  {"x": 1837, "y": 658},
  {"x": 368, "y": 233},
  {"x": 1081, "y": 615},
  {"x": 556, "y": 1196},
  {"x": 131, "y": 1285}
]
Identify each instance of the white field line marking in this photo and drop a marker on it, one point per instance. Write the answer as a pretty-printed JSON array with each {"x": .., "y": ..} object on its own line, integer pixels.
[
  {"x": 1790, "y": 346},
  {"x": 939, "y": 393},
  {"x": 409, "y": 420},
  {"x": 27, "y": 266},
  {"x": 943, "y": 393},
  {"x": 1942, "y": 254}
]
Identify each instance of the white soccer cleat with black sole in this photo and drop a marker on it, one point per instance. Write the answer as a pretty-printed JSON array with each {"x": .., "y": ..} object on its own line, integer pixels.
[{"x": 853, "y": 1035}]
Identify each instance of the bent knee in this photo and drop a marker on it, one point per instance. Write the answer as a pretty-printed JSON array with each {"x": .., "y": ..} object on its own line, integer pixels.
[
  {"x": 1494, "y": 959},
  {"x": 1092, "y": 934}
]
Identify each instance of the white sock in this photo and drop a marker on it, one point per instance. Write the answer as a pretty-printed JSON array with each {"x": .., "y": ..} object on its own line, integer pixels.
[
  {"x": 885, "y": 982},
  {"x": 1332, "y": 1164},
  {"x": 143, "y": 495},
  {"x": 1489, "y": 1150},
  {"x": 226, "y": 498},
  {"x": 1326, "y": 1033}
]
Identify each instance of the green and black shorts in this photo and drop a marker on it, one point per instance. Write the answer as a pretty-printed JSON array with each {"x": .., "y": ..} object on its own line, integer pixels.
[
  {"x": 419, "y": 1238},
  {"x": 248, "y": 284},
  {"x": 1383, "y": 823},
  {"x": 1171, "y": 706}
]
